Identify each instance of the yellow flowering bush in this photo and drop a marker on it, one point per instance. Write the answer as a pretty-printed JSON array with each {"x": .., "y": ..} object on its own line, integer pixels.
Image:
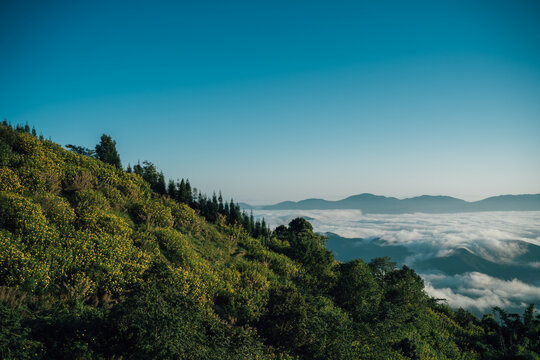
[
  {"x": 153, "y": 213},
  {"x": 57, "y": 210},
  {"x": 184, "y": 216},
  {"x": 9, "y": 180},
  {"x": 174, "y": 245},
  {"x": 111, "y": 261},
  {"x": 20, "y": 265},
  {"x": 85, "y": 199},
  {"x": 78, "y": 179},
  {"x": 133, "y": 187},
  {"x": 23, "y": 217},
  {"x": 27, "y": 145}
]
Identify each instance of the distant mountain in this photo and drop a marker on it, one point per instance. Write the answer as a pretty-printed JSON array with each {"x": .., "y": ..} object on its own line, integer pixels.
[
  {"x": 377, "y": 204},
  {"x": 346, "y": 249},
  {"x": 463, "y": 260},
  {"x": 459, "y": 261}
]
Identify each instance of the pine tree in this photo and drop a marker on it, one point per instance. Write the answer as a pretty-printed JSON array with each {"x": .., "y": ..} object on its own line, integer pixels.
[
  {"x": 160, "y": 186},
  {"x": 220, "y": 203},
  {"x": 245, "y": 222},
  {"x": 213, "y": 208},
  {"x": 189, "y": 194},
  {"x": 106, "y": 151},
  {"x": 171, "y": 189},
  {"x": 137, "y": 169},
  {"x": 231, "y": 219},
  {"x": 264, "y": 229},
  {"x": 257, "y": 231},
  {"x": 181, "y": 192},
  {"x": 251, "y": 223},
  {"x": 226, "y": 211}
]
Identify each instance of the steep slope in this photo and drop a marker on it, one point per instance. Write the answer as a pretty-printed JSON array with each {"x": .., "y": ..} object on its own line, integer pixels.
[{"x": 94, "y": 265}]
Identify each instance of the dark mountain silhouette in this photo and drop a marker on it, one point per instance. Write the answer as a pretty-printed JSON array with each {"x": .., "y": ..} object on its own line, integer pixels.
[
  {"x": 377, "y": 204},
  {"x": 463, "y": 260},
  {"x": 346, "y": 249},
  {"x": 459, "y": 261}
]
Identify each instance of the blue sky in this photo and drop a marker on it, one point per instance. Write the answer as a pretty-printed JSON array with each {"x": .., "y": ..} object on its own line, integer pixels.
[{"x": 285, "y": 100}]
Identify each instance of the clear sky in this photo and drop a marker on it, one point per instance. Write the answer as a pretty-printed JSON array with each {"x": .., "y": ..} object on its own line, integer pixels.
[{"x": 286, "y": 100}]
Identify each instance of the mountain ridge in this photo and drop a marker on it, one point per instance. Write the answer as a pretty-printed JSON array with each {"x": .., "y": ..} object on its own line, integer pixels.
[{"x": 379, "y": 204}]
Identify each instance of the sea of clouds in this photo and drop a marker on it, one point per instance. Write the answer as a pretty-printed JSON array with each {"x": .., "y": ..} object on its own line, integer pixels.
[{"x": 495, "y": 236}]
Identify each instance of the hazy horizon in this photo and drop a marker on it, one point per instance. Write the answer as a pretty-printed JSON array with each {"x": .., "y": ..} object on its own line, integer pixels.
[{"x": 470, "y": 199}]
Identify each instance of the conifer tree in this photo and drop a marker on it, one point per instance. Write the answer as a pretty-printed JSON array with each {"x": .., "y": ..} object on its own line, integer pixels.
[
  {"x": 189, "y": 194},
  {"x": 220, "y": 203},
  {"x": 160, "y": 186},
  {"x": 137, "y": 169},
  {"x": 181, "y": 193},
  {"x": 264, "y": 230},
  {"x": 106, "y": 151},
  {"x": 231, "y": 219},
  {"x": 245, "y": 222},
  {"x": 171, "y": 189},
  {"x": 213, "y": 208},
  {"x": 251, "y": 222},
  {"x": 257, "y": 231},
  {"x": 226, "y": 211}
]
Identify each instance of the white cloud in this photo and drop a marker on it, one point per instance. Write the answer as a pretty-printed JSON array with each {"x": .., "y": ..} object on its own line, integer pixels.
[
  {"x": 480, "y": 291},
  {"x": 491, "y": 235},
  {"x": 488, "y": 234}
]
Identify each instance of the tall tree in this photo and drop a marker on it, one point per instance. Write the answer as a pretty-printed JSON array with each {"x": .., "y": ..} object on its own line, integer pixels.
[
  {"x": 264, "y": 228},
  {"x": 106, "y": 151},
  {"x": 221, "y": 209},
  {"x": 81, "y": 150},
  {"x": 160, "y": 187},
  {"x": 251, "y": 223},
  {"x": 171, "y": 189},
  {"x": 189, "y": 193},
  {"x": 181, "y": 193}
]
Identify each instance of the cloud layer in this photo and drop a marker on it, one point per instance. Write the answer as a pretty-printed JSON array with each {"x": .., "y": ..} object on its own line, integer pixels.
[
  {"x": 489, "y": 234},
  {"x": 500, "y": 237},
  {"x": 481, "y": 292}
]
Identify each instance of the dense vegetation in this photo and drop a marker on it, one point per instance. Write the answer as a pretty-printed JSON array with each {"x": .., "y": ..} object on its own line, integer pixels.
[{"x": 101, "y": 263}]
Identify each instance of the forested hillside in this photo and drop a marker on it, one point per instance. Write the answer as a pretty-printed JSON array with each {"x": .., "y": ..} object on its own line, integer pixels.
[{"x": 101, "y": 263}]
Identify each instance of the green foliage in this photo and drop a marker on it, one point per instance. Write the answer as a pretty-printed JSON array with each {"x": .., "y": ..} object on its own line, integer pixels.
[
  {"x": 15, "y": 340},
  {"x": 158, "y": 322},
  {"x": 81, "y": 150},
  {"x": 512, "y": 336},
  {"x": 357, "y": 291},
  {"x": 98, "y": 263},
  {"x": 106, "y": 151}
]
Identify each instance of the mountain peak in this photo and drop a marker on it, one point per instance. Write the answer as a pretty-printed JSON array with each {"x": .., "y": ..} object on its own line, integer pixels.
[{"x": 379, "y": 204}]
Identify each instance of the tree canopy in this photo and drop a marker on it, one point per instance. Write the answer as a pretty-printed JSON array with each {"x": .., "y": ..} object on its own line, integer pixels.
[
  {"x": 106, "y": 151},
  {"x": 100, "y": 263}
]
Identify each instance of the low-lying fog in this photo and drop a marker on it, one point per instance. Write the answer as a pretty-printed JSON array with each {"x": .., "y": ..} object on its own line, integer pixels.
[{"x": 474, "y": 260}]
